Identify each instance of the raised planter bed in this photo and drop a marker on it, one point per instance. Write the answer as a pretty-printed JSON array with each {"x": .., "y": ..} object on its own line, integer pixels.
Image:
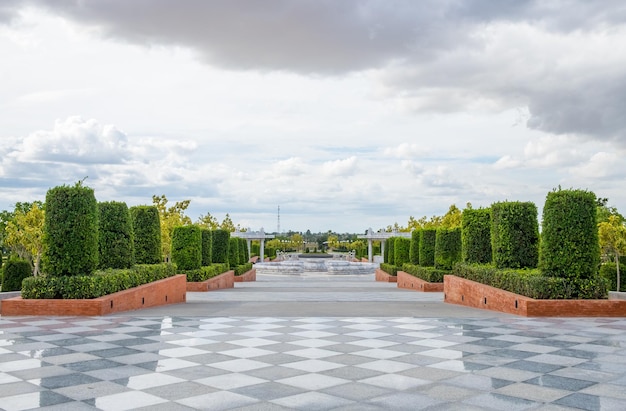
[
  {"x": 224, "y": 280},
  {"x": 384, "y": 277},
  {"x": 167, "y": 291},
  {"x": 472, "y": 294},
  {"x": 406, "y": 280},
  {"x": 247, "y": 276}
]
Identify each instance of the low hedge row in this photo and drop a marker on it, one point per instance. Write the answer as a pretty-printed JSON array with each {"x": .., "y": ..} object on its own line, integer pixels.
[
  {"x": 206, "y": 272},
  {"x": 531, "y": 283},
  {"x": 97, "y": 285},
  {"x": 389, "y": 268},
  {"x": 430, "y": 274},
  {"x": 241, "y": 269}
]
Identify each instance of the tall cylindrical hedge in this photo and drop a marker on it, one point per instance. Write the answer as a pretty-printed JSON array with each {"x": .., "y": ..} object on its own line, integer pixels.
[
  {"x": 220, "y": 246},
  {"x": 447, "y": 247},
  {"x": 390, "y": 248},
  {"x": 207, "y": 243},
  {"x": 13, "y": 272},
  {"x": 414, "y": 252},
  {"x": 147, "y": 231},
  {"x": 116, "y": 242},
  {"x": 427, "y": 247},
  {"x": 243, "y": 251},
  {"x": 187, "y": 247},
  {"x": 233, "y": 252},
  {"x": 401, "y": 250},
  {"x": 385, "y": 243},
  {"x": 70, "y": 231},
  {"x": 569, "y": 237},
  {"x": 514, "y": 234},
  {"x": 476, "y": 235}
]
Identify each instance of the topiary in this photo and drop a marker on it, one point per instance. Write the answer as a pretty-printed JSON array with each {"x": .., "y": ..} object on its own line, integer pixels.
[
  {"x": 476, "y": 235},
  {"x": 14, "y": 272},
  {"x": 147, "y": 234},
  {"x": 514, "y": 234},
  {"x": 187, "y": 247},
  {"x": 116, "y": 240}
]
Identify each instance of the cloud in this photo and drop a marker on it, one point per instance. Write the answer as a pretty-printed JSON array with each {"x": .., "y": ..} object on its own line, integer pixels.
[
  {"x": 406, "y": 150},
  {"x": 76, "y": 141},
  {"x": 340, "y": 168}
]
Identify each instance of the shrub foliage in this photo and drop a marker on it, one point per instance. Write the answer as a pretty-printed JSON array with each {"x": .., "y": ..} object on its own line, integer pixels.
[
  {"x": 414, "y": 251},
  {"x": 233, "y": 252},
  {"x": 447, "y": 247},
  {"x": 70, "y": 231},
  {"x": 13, "y": 272},
  {"x": 514, "y": 234},
  {"x": 187, "y": 247},
  {"x": 427, "y": 247},
  {"x": 570, "y": 246},
  {"x": 116, "y": 242},
  {"x": 476, "y": 235},
  {"x": 430, "y": 274},
  {"x": 219, "y": 246},
  {"x": 147, "y": 232},
  {"x": 401, "y": 250},
  {"x": 207, "y": 240}
]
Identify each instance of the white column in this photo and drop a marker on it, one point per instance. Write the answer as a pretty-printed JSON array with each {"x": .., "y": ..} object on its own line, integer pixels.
[
  {"x": 369, "y": 250},
  {"x": 262, "y": 251},
  {"x": 382, "y": 249}
]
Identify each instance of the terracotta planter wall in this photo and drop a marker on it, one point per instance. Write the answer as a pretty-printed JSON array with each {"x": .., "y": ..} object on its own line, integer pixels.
[
  {"x": 245, "y": 277},
  {"x": 224, "y": 280},
  {"x": 383, "y": 276},
  {"x": 472, "y": 294},
  {"x": 167, "y": 291},
  {"x": 406, "y": 280}
]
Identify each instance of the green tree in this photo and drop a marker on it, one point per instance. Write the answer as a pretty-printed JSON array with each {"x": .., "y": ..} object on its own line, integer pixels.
[
  {"x": 170, "y": 217},
  {"x": 452, "y": 219},
  {"x": 208, "y": 221},
  {"x": 24, "y": 235},
  {"x": 612, "y": 236}
]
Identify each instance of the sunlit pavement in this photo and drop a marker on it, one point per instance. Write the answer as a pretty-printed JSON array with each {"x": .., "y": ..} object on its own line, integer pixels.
[{"x": 314, "y": 343}]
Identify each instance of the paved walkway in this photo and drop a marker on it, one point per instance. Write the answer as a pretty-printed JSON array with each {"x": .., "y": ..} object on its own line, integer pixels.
[{"x": 312, "y": 343}]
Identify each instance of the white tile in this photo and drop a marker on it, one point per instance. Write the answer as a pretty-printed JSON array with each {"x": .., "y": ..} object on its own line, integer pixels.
[
  {"x": 247, "y": 352},
  {"x": 395, "y": 381},
  {"x": 386, "y": 366},
  {"x": 312, "y": 353},
  {"x": 313, "y": 381},
  {"x": 127, "y": 401},
  {"x": 155, "y": 379},
  {"x": 239, "y": 365},
  {"x": 313, "y": 365},
  {"x": 230, "y": 381},
  {"x": 379, "y": 353}
]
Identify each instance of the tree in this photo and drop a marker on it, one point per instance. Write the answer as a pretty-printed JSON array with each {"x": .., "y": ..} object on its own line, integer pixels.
[
  {"x": 170, "y": 217},
  {"x": 612, "y": 236},
  {"x": 452, "y": 219},
  {"x": 208, "y": 221},
  {"x": 227, "y": 224},
  {"x": 24, "y": 235}
]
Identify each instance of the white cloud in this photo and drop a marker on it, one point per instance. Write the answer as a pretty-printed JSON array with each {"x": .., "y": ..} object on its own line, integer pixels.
[
  {"x": 406, "y": 150},
  {"x": 340, "y": 168}
]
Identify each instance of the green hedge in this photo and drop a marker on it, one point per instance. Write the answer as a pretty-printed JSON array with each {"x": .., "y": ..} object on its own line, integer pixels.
[
  {"x": 609, "y": 272},
  {"x": 97, "y": 285},
  {"x": 116, "y": 240},
  {"x": 206, "y": 272},
  {"x": 569, "y": 236},
  {"x": 430, "y": 274},
  {"x": 531, "y": 282},
  {"x": 243, "y": 268},
  {"x": 390, "y": 250},
  {"x": 514, "y": 234},
  {"x": 219, "y": 246},
  {"x": 207, "y": 242},
  {"x": 476, "y": 235},
  {"x": 389, "y": 268},
  {"x": 414, "y": 251},
  {"x": 70, "y": 231},
  {"x": 243, "y": 251},
  {"x": 401, "y": 250},
  {"x": 427, "y": 247},
  {"x": 447, "y": 247},
  {"x": 147, "y": 231},
  {"x": 14, "y": 272},
  {"x": 233, "y": 252},
  {"x": 187, "y": 247}
]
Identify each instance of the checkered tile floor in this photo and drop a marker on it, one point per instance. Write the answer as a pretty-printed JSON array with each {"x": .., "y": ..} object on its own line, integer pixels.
[{"x": 118, "y": 363}]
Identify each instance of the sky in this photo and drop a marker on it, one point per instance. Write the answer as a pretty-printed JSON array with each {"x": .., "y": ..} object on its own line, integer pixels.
[{"x": 345, "y": 114}]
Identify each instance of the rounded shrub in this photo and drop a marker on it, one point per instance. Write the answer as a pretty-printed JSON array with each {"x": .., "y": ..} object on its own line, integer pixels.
[
  {"x": 401, "y": 250},
  {"x": 427, "y": 247},
  {"x": 116, "y": 242},
  {"x": 147, "y": 231},
  {"x": 220, "y": 246},
  {"x": 187, "y": 247},
  {"x": 13, "y": 272},
  {"x": 70, "y": 237},
  {"x": 447, "y": 247},
  {"x": 207, "y": 239},
  {"x": 476, "y": 235},
  {"x": 414, "y": 251},
  {"x": 514, "y": 234},
  {"x": 570, "y": 246}
]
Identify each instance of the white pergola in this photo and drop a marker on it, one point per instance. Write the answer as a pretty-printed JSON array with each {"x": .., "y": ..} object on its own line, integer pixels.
[
  {"x": 254, "y": 235},
  {"x": 380, "y": 235}
]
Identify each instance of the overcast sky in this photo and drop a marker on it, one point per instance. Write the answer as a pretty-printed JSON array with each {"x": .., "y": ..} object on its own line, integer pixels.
[{"x": 347, "y": 114}]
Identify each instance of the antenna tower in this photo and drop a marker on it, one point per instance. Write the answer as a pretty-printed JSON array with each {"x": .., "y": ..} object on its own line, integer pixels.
[{"x": 278, "y": 224}]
